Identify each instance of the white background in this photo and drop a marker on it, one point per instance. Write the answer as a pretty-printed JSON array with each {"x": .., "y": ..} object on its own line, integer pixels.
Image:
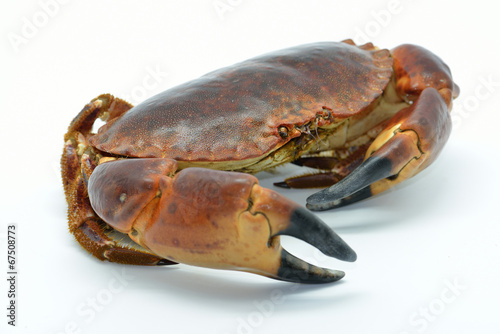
[{"x": 438, "y": 230}]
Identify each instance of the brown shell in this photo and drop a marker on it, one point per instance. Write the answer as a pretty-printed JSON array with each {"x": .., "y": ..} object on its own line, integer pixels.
[{"x": 234, "y": 113}]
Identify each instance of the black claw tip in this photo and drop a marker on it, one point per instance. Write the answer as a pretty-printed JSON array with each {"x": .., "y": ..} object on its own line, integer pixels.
[
  {"x": 355, "y": 187},
  {"x": 356, "y": 197},
  {"x": 293, "y": 269},
  {"x": 165, "y": 262},
  {"x": 306, "y": 226},
  {"x": 282, "y": 184}
]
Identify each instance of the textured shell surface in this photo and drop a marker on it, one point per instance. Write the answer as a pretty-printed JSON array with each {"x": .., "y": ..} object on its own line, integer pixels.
[{"x": 235, "y": 113}]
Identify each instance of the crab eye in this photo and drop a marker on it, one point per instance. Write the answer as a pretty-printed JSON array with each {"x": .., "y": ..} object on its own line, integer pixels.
[
  {"x": 283, "y": 131},
  {"x": 327, "y": 113}
]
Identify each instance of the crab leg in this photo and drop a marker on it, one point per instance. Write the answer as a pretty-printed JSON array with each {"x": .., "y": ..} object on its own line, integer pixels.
[
  {"x": 333, "y": 170},
  {"x": 208, "y": 218},
  {"x": 77, "y": 164}
]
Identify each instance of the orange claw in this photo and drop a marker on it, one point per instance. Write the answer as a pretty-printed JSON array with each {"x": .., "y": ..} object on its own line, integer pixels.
[
  {"x": 208, "y": 218},
  {"x": 413, "y": 137}
]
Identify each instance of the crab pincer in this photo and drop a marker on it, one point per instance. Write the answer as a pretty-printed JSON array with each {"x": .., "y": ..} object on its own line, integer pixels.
[
  {"x": 211, "y": 219},
  {"x": 411, "y": 140}
]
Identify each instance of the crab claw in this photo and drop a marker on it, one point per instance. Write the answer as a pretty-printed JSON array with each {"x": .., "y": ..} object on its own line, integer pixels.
[
  {"x": 413, "y": 138},
  {"x": 208, "y": 218}
]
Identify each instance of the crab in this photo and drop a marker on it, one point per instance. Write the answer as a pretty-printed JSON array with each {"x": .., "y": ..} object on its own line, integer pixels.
[{"x": 170, "y": 180}]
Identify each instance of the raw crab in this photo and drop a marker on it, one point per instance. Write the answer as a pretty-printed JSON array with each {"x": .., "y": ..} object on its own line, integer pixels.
[{"x": 161, "y": 182}]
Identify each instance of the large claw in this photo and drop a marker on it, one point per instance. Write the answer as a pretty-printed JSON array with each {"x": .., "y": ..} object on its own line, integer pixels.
[
  {"x": 211, "y": 219},
  {"x": 413, "y": 137},
  {"x": 412, "y": 140}
]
